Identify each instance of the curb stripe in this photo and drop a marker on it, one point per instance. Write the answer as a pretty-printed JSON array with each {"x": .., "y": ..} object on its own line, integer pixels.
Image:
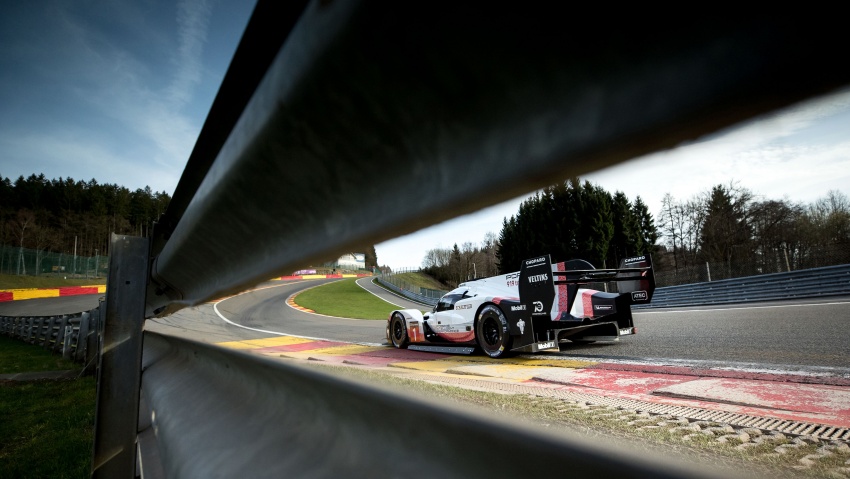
[
  {"x": 322, "y": 276},
  {"x": 36, "y": 293}
]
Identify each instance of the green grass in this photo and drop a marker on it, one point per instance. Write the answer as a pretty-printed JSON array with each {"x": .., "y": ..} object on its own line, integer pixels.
[
  {"x": 345, "y": 299},
  {"x": 422, "y": 280},
  {"x": 17, "y": 356},
  {"x": 13, "y": 281},
  {"x": 47, "y": 427}
]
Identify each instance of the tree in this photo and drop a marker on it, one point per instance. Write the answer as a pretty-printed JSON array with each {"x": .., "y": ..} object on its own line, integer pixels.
[
  {"x": 726, "y": 226},
  {"x": 625, "y": 237},
  {"x": 647, "y": 234},
  {"x": 575, "y": 220}
]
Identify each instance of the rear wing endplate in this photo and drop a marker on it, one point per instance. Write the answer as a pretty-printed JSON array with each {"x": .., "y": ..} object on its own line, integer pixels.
[{"x": 537, "y": 280}]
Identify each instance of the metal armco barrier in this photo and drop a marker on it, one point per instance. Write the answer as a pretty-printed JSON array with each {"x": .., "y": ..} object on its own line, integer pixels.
[
  {"x": 808, "y": 283},
  {"x": 342, "y": 124},
  {"x": 74, "y": 335},
  {"x": 232, "y": 414},
  {"x": 408, "y": 294}
]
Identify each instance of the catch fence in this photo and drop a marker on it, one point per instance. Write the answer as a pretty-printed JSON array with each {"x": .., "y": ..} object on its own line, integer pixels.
[
  {"x": 15, "y": 260},
  {"x": 397, "y": 279},
  {"x": 670, "y": 272}
]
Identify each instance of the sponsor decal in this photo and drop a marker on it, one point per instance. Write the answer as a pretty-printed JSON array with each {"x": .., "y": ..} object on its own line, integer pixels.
[
  {"x": 521, "y": 325},
  {"x": 635, "y": 259},
  {"x": 538, "y": 306},
  {"x": 639, "y": 295},
  {"x": 512, "y": 280},
  {"x": 603, "y": 307},
  {"x": 463, "y": 306},
  {"x": 537, "y": 278},
  {"x": 530, "y": 263},
  {"x": 625, "y": 331},
  {"x": 546, "y": 345},
  {"x": 519, "y": 307},
  {"x": 446, "y": 328}
]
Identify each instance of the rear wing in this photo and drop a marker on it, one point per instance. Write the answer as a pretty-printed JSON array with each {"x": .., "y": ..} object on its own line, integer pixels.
[
  {"x": 538, "y": 280},
  {"x": 637, "y": 277}
]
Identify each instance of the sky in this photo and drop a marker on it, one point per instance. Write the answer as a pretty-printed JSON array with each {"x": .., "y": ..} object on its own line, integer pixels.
[{"x": 119, "y": 91}]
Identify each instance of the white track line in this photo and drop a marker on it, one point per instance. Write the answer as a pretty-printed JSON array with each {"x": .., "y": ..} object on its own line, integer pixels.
[
  {"x": 375, "y": 295},
  {"x": 806, "y": 305},
  {"x": 265, "y": 331}
]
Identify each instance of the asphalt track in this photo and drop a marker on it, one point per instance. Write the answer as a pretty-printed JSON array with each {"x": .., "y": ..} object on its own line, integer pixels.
[
  {"x": 704, "y": 364},
  {"x": 794, "y": 336},
  {"x": 783, "y": 335}
]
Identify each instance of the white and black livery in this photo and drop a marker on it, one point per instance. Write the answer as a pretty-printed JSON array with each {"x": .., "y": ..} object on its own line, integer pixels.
[{"x": 536, "y": 309}]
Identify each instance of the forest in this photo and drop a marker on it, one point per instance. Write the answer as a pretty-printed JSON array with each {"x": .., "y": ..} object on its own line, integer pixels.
[
  {"x": 567, "y": 220},
  {"x": 727, "y": 231},
  {"x": 70, "y": 217}
]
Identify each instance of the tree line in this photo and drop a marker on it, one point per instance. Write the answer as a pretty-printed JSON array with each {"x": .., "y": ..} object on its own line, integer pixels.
[
  {"x": 741, "y": 234},
  {"x": 568, "y": 220},
  {"x": 577, "y": 220},
  {"x": 55, "y": 215},
  {"x": 456, "y": 265}
]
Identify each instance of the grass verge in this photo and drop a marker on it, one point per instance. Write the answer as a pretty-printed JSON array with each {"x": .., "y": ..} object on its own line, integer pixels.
[
  {"x": 344, "y": 299},
  {"x": 19, "y": 357},
  {"x": 421, "y": 280},
  {"x": 47, "y": 427}
]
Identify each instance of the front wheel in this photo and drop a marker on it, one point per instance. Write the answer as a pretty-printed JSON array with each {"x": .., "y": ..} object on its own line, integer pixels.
[
  {"x": 492, "y": 332},
  {"x": 398, "y": 331}
]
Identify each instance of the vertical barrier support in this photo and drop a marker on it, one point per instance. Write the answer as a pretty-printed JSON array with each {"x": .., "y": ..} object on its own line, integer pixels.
[
  {"x": 63, "y": 337},
  {"x": 82, "y": 339},
  {"x": 119, "y": 370},
  {"x": 67, "y": 342},
  {"x": 92, "y": 335}
]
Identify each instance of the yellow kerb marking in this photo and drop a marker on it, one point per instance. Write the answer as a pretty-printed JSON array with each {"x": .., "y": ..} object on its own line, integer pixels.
[
  {"x": 345, "y": 350},
  {"x": 555, "y": 363},
  {"x": 506, "y": 371},
  {"x": 34, "y": 293},
  {"x": 332, "y": 351},
  {"x": 437, "y": 365},
  {"x": 264, "y": 343}
]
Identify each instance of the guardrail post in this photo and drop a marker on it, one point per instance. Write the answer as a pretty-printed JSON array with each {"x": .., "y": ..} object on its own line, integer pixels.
[
  {"x": 82, "y": 336},
  {"x": 119, "y": 369}
]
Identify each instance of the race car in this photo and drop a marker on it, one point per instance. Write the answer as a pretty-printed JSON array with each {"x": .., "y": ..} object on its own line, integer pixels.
[{"x": 539, "y": 308}]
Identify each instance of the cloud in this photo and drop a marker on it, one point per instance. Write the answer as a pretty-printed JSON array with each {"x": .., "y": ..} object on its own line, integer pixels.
[
  {"x": 777, "y": 156},
  {"x": 193, "y": 18}
]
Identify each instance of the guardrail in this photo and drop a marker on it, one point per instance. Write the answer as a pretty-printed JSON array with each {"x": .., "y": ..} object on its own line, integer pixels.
[
  {"x": 419, "y": 298},
  {"x": 303, "y": 423},
  {"x": 808, "y": 283},
  {"x": 72, "y": 335},
  {"x": 451, "y": 109}
]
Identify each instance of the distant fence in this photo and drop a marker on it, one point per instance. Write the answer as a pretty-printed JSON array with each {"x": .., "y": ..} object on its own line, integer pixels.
[
  {"x": 24, "y": 261},
  {"x": 410, "y": 291},
  {"x": 667, "y": 273},
  {"x": 72, "y": 335},
  {"x": 808, "y": 283}
]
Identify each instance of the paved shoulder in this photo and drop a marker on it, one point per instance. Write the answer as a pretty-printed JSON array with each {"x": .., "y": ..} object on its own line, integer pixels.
[
  {"x": 51, "y": 306},
  {"x": 392, "y": 298}
]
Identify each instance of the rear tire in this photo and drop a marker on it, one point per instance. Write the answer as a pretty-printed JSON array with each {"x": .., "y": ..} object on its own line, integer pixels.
[
  {"x": 492, "y": 332},
  {"x": 398, "y": 331}
]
